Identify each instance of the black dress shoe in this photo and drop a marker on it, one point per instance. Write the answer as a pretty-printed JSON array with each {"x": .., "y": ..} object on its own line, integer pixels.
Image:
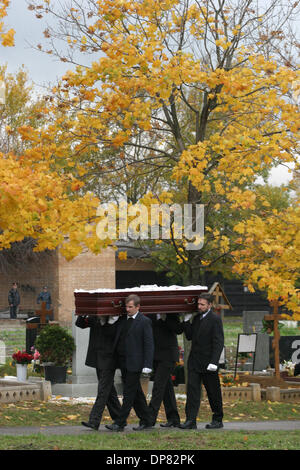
[
  {"x": 188, "y": 425},
  {"x": 215, "y": 425},
  {"x": 142, "y": 427},
  {"x": 89, "y": 425},
  {"x": 114, "y": 427},
  {"x": 170, "y": 424}
]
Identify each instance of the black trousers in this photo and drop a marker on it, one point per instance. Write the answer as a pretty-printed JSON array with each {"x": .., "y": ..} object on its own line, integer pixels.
[
  {"x": 106, "y": 395},
  {"x": 13, "y": 310},
  {"x": 212, "y": 386},
  {"x": 163, "y": 391},
  {"x": 133, "y": 397}
]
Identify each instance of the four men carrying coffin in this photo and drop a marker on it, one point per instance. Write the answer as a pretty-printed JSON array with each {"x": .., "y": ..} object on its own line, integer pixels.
[{"x": 135, "y": 344}]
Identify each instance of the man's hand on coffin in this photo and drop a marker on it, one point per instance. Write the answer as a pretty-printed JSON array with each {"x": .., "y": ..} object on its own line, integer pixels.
[
  {"x": 212, "y": 367},
  {"x": 146, "y": 370},
  {"x": 187, "y": 316},
  {"x": 112, "y": 319}
]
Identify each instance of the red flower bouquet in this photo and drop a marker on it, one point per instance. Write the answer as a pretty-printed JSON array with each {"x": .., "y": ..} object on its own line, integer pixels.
[{"x": 22, "y": 357}]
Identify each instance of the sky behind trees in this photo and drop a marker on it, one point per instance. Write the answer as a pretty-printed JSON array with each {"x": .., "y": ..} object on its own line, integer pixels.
[{"x": 42, "y": 68}]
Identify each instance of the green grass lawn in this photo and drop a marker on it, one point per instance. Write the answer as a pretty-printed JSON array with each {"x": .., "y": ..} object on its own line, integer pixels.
[
  {"x": 14, "y": 339},
  {"x": 181, "y": 440},
  {"x": 65, "y": 413},
  {"x": 234, "y": 326}
]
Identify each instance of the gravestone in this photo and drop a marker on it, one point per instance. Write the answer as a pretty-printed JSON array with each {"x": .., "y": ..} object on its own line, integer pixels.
[
  {"x": 252, "y": 323},
  {"x": 32, "y": 329},
  {"x": 246, "y": 344},
  {"x": 289, "y": 349},
  {"x": 2, "y": 352}
]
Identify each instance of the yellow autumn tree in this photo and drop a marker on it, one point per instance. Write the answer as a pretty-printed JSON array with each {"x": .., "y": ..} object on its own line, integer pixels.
[
  {"x": 222, "y": 61},
  {"x": 38, "y": 198},
  {"x": 269, "y": 258},
  {"x": 19, "y": 109},
  {"x": 7, "y": 37},
  {"x": 40, "y": 202}
]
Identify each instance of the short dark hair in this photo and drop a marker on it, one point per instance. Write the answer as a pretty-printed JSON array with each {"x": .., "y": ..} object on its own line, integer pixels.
[
  {"x": 135, "y": 298},
  {"x": 208, "y": 297}
]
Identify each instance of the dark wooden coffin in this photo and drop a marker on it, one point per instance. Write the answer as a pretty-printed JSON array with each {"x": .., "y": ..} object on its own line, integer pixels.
[{"x": 112, "y": 302}]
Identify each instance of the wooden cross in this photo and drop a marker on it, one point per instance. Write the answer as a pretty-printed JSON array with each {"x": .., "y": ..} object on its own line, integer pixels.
[
  {"x": 219, "y": 296},
  {"x": 43, "y": 312},
  {"x": 275, "y": 317}
]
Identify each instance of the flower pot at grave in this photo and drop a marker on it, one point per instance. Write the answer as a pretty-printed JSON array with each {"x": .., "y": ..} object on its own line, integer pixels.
[
  {"x": 21, "y": 372},
  {"x": 56, "y": 374}
]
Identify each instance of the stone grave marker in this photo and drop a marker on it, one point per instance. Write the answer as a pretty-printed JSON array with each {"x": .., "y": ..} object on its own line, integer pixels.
[
  {"x": 289, "y": 349},
  {"x": 2, "y": 352},
  {"x": 246, "y": 344},
  {"x": 252, "y": 323}
]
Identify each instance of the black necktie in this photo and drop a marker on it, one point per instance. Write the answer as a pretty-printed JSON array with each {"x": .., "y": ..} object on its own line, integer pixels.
[{"x": 128, "y": 324}]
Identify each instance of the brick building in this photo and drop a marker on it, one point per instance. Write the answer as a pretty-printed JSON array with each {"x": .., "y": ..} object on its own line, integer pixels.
[{"x": 86, "y": 271}]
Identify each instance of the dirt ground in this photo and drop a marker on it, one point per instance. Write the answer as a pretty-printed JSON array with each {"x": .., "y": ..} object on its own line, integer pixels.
[{"x": 267, "y": 381}]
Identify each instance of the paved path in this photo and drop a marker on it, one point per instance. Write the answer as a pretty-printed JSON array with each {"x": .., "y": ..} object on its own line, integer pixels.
[{"x": 76, "y": 430}]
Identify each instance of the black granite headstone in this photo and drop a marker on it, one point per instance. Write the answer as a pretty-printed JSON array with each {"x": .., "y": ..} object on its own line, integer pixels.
[
  {"x": 32, "y": 329},
  {"x": 289, "y": 349}
]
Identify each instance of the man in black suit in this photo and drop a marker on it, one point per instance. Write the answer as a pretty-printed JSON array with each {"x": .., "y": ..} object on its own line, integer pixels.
[
  {"x": 166, "y": 354},
  {"x": 206, "y": 333},
  {"x": 100, "y": 356},
  {"x": 134, "y": 348}
]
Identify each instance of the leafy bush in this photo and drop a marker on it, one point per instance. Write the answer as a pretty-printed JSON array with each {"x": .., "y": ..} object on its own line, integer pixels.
[
  {"x": 8, "y": 368},
  {"x": 55, "y": 345}
]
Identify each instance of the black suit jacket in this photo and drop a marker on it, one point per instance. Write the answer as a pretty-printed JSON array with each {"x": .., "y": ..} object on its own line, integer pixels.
[
  {"x": 139, "y": 343},
  {"x": 14, "y": 297},
  {"x": 207, "y": 337},
  {"x": 165, "y": 337},
  {"x": 101, "y": 340}
]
